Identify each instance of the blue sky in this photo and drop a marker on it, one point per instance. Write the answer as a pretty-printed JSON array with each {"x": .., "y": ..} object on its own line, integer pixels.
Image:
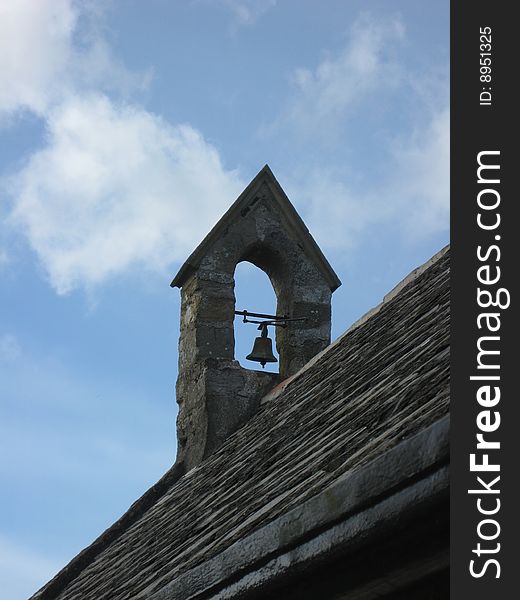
[{"x": 127, "y": 129}]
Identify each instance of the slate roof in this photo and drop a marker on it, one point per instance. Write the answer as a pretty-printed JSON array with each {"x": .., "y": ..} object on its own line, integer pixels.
[{"x": 380, "y": 383}]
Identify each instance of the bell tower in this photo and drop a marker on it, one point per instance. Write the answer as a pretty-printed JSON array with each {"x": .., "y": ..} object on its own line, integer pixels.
[{"x": 215, "y": 394}]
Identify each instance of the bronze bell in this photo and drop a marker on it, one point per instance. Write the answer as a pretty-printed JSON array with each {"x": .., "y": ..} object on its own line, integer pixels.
[{"x": 262, "y": 349}]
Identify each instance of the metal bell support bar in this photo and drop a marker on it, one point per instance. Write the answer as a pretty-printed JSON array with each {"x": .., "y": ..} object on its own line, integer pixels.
[
  {"x": 263, "y": 347},
  {"x": 271, "y": 319}
]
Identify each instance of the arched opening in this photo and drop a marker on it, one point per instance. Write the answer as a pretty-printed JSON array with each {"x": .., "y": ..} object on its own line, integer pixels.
[{"x": 254, "y": 293}]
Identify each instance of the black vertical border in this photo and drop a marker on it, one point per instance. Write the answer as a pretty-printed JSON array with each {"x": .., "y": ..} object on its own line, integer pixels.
[{"x": 475, "y": 128}]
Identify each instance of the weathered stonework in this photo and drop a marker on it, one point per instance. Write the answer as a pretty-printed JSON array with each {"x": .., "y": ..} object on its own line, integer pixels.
[{"x": 215, "y": 394}]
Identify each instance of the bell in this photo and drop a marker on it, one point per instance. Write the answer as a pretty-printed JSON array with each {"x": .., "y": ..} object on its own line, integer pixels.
[{"x": 262, "y": 349}]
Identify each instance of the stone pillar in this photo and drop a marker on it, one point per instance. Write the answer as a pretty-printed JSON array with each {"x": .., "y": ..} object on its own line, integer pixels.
[{"x": 215, "y": 394}]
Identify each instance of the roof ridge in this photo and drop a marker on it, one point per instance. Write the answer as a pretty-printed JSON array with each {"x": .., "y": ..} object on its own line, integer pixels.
[{"x": 412, "y": 276}]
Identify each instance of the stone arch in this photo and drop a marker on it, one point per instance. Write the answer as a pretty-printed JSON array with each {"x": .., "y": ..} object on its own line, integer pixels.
[
  {"x": 274, "y": 264},
  {"x": 249, "y": 277}
]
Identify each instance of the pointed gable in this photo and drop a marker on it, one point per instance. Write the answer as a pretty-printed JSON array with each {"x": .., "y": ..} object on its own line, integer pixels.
[{"x": 264, "y": 188}]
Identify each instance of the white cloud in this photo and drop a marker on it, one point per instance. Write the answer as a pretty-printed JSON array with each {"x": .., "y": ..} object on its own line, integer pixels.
[
  {"x": 23, "y": 571},
  {"x": 116, "y": 187},
  {"x": 9, "y": 348},
  {"x": 4, "y": 258},
  {"x": 416, "y": 195},
  {"x": 341, "y": 206},
  {"x": 336, "y": 213},
  {"x": 247, "y": 12},
  {"x": 339, "y": 84},
  {"x": 422, "y": 187},
  {"x": 49, "y": 48},
  {"x": 35, "y": 48}
]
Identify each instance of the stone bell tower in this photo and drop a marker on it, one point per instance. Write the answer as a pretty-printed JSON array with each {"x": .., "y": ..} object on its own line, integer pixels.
[{"x": 215, "y": 394}]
